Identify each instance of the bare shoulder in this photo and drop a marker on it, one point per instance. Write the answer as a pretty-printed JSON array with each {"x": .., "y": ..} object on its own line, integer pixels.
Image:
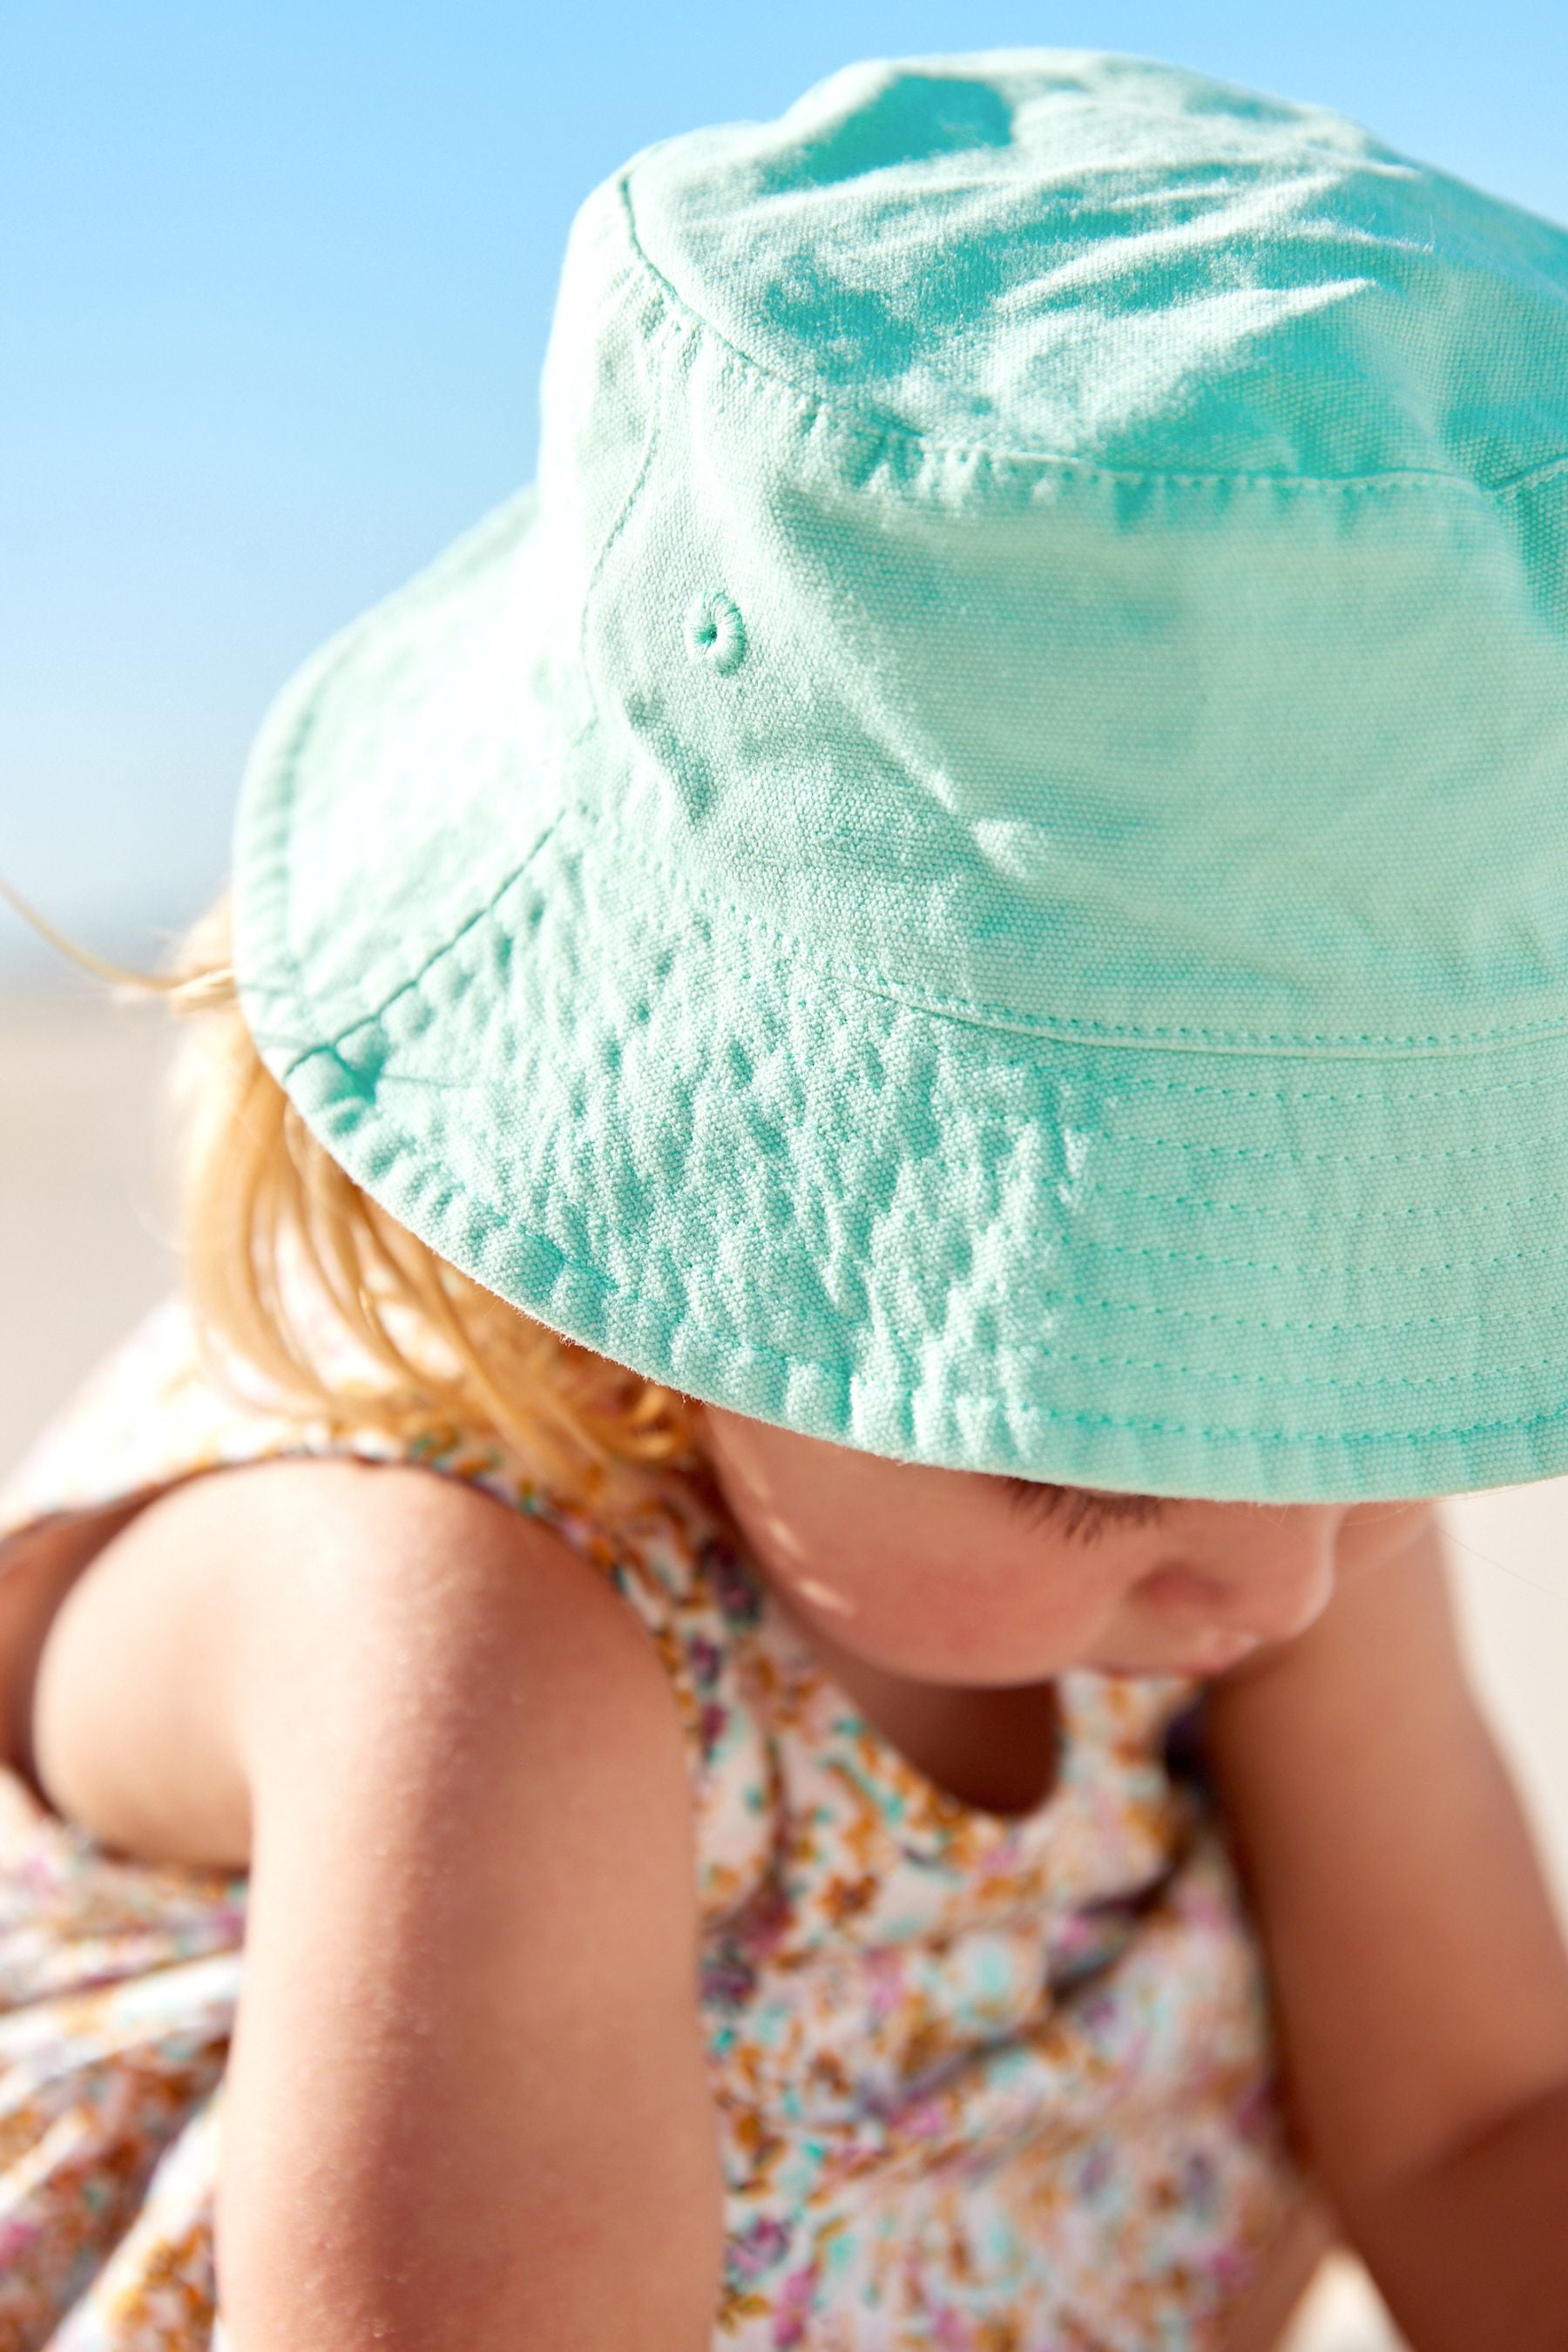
[
  {"x": 342, "y": 1533},
  {"x": 266, "y": 1620},
  {"x": 474, "y": 1928},
  {"x": 449, "y": 1754},
  {"x": 431, "y": 1593},
  {"x": 419, "y": 1585}
]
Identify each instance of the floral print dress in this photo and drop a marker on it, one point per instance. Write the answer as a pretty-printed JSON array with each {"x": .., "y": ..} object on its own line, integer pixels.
[{"x": 982, "y": 2084}]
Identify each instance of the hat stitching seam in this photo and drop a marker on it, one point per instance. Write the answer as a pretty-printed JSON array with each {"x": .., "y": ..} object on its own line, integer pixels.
[
  {"x": 373, "y": 1114},
  {"x": 818, "y": 408},
  {"x": 1433, "y": 1211},
  {"x": 416, "y": 982},
  {"x": 1013, "y": 1024},
  {"x": 1007, "y": 1017},
  {"x": 1211, "y": 1206},
  {"x": 1554, "y": 470},
  {"x": 1240, "y": 1323},
  {"x": 1158, "y": 1037},
  {"x": 657, "y": 354},
  {"x": 1321, "y": 1094},
  {"x": 1261, "y": 1152}
]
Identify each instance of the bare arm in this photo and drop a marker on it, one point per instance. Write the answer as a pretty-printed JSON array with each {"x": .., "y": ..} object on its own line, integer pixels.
[
  {"x": 1422, "y": 1983},
  {"x": 466, "y": 2103}
]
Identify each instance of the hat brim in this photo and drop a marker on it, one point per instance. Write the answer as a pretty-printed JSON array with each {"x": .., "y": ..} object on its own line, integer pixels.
[{"x": 621, "y": 1106}]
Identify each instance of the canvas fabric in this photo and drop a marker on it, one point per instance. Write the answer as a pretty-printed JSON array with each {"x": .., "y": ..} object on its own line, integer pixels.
[{"x": 978, "y": 869}]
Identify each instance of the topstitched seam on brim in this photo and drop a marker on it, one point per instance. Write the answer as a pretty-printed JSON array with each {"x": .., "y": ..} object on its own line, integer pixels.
[
  {"x": 416, "y": 979},
  {"x": 1471, "y": 1210},
  {"x": 819, "y": 407},
  {"x": 1195, "y": 1087},
  {"x": 1198, "y": 1148},
  {"x": 375, "y": 1113},
  {"x": 1465, "y": 1210},
  {"x": 1276, "y": 1214}
]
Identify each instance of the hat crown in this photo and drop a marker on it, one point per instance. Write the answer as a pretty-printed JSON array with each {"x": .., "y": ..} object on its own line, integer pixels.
[
  {"x": 1135, "y": 503},
  {"x": 1120, "y": 262}
]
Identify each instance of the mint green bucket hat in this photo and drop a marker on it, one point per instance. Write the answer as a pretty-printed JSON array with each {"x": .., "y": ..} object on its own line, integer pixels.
[{"x": 978, "y": 868}]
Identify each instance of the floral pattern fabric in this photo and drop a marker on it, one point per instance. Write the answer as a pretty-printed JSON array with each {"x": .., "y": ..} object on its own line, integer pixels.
[{"x": 983, "y": 2083}]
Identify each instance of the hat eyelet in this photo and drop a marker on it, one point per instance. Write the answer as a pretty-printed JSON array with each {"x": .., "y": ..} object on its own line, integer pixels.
[{"x": 715, "y": 633}]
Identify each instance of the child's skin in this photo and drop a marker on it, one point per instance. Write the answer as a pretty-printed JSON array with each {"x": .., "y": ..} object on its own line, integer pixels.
[{"x": 466, "y": 2103}]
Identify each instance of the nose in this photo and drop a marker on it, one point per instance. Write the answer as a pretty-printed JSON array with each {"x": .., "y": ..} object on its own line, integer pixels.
[{"x": 1274, "y": 1578}]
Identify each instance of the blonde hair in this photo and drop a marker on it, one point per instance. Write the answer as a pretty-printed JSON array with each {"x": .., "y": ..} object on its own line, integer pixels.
[{"x": 261, "y": 1199}]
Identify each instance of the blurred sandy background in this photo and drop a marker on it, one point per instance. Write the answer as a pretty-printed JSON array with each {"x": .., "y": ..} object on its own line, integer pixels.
[{"x": 86, "y": 1243}]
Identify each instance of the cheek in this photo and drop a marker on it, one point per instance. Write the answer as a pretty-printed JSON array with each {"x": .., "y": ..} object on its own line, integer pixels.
[{"x": 987, "y": 1613}]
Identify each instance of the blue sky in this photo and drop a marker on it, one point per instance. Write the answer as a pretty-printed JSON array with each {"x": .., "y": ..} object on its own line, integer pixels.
[{"x": 276, "y": 282}]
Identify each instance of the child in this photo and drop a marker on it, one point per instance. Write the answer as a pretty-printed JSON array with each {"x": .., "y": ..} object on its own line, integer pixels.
[{"x": 908, "y": 1023}]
